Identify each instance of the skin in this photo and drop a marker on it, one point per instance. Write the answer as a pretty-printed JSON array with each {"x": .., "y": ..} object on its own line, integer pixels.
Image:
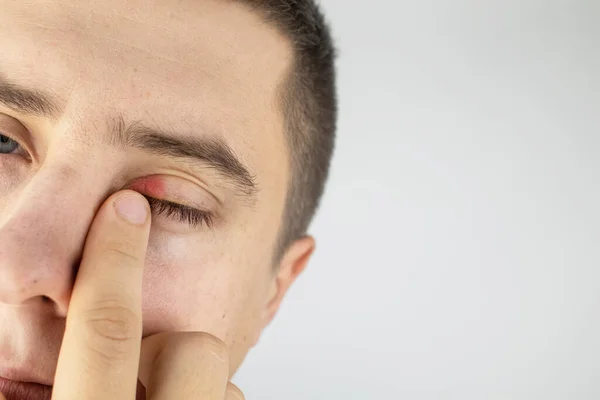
[
  {"x": 203, "y": 67},
  {"x": 104, "y": 325}
]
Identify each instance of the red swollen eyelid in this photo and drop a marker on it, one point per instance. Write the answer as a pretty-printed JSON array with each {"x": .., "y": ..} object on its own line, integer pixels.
[{"x": 150, "y": 186}]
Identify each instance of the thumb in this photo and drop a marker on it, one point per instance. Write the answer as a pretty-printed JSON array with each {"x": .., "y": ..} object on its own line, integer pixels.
[
  {"x": 184, "y": 365},
  {"x": 2, "y": 397}
]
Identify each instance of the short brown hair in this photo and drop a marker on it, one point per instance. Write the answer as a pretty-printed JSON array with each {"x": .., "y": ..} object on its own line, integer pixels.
[{"x": 309, "y": 104}]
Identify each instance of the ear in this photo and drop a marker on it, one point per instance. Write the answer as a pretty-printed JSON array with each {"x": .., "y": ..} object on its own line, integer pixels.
[{"x": 291, "y": 266}]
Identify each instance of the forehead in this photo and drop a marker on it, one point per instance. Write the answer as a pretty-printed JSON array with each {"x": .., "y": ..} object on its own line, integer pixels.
[{"x": 210, "y": 63}]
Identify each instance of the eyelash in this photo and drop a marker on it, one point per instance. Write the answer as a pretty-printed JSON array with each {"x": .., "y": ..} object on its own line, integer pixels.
[{"x": 181, "y": 213}]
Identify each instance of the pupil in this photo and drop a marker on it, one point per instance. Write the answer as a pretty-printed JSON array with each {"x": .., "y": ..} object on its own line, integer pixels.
[{"x": 3, "y": 139}]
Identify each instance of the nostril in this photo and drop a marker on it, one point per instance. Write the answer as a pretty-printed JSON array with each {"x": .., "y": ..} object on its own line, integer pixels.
[{"x": 46, "y": 299}]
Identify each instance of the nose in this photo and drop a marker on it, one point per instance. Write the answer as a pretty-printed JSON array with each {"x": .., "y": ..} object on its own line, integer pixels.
[{"x": 42, "y": 231}]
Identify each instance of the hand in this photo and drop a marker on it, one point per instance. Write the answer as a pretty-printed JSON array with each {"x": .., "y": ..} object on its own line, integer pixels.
[{"x": 101, "y": 356}]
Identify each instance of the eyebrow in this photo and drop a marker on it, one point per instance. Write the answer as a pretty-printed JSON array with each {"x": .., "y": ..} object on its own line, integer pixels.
[
  {"x": 28, "y": 101},
  {"x": 212, "y": 151}
]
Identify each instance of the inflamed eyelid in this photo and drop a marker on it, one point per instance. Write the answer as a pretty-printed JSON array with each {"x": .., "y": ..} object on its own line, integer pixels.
[
  {"x": 167, "y": 201},
  {"x": 176, "y": 190},
  {"x": 152, "y": 186}
]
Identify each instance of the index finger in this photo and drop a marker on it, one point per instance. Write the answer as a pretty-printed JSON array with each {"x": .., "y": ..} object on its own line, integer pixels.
[{"x": 101, "y": 347}]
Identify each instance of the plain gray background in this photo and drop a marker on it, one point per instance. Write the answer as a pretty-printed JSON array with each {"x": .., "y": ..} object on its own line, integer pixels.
[{"x": 458, "y": 241}]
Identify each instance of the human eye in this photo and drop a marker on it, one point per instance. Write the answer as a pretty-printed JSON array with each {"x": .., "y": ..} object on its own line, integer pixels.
[
  {"x": 9, "y": 145},
  {"x": 180, "y": 213}
]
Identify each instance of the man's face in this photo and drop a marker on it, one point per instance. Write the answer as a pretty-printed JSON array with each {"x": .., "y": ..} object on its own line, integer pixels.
[{"x": 120, "y": 75}]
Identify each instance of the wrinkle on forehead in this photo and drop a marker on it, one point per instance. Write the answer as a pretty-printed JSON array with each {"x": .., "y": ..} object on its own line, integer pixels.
[
  {"x": 215, "y": 46},
  {"x": 216, "y": 28}
]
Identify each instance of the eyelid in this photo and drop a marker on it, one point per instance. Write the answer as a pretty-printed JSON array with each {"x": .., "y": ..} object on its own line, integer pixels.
[
  {"x": 180, "y": 191},
  {"x": 194, "y": 217},
  {"x": 8, "y": 135}
]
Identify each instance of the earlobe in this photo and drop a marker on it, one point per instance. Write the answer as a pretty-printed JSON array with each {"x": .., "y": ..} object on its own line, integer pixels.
[{"x": 291, "y": 266}]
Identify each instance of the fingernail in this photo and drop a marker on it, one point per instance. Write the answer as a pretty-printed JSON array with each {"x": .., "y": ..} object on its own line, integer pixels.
[{"x": 133, "y": 208}]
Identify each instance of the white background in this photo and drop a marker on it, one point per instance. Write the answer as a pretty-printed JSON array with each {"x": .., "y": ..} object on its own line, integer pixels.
[{"x": 459, "y": 236}]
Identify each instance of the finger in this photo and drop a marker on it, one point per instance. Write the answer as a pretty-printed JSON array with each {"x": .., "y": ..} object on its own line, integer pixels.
[
  {"x": 100, "y": 351},
  {"x": 2, "y": 397},
  {"x": 184, "y": 365},
  {"x": 234, "y": 393}
]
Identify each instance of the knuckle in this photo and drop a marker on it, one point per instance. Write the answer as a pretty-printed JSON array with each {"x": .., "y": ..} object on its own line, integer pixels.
[
  {"x": 194, "y": 342},
  {"x": 210, "y": 344},
  {"x": 112, "y": 329},
  {"x": 120, "y": 252},
  {"x": 234, "y": 393}
]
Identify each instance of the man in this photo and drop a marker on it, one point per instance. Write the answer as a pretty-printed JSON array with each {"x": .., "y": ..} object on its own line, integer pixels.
[{"x": 187, "y": 142}]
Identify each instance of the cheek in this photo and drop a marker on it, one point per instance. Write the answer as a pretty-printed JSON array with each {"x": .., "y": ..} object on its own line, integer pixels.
[
  {"x": 13, "y": 173},
  {"x": 189, "y": 285}
]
